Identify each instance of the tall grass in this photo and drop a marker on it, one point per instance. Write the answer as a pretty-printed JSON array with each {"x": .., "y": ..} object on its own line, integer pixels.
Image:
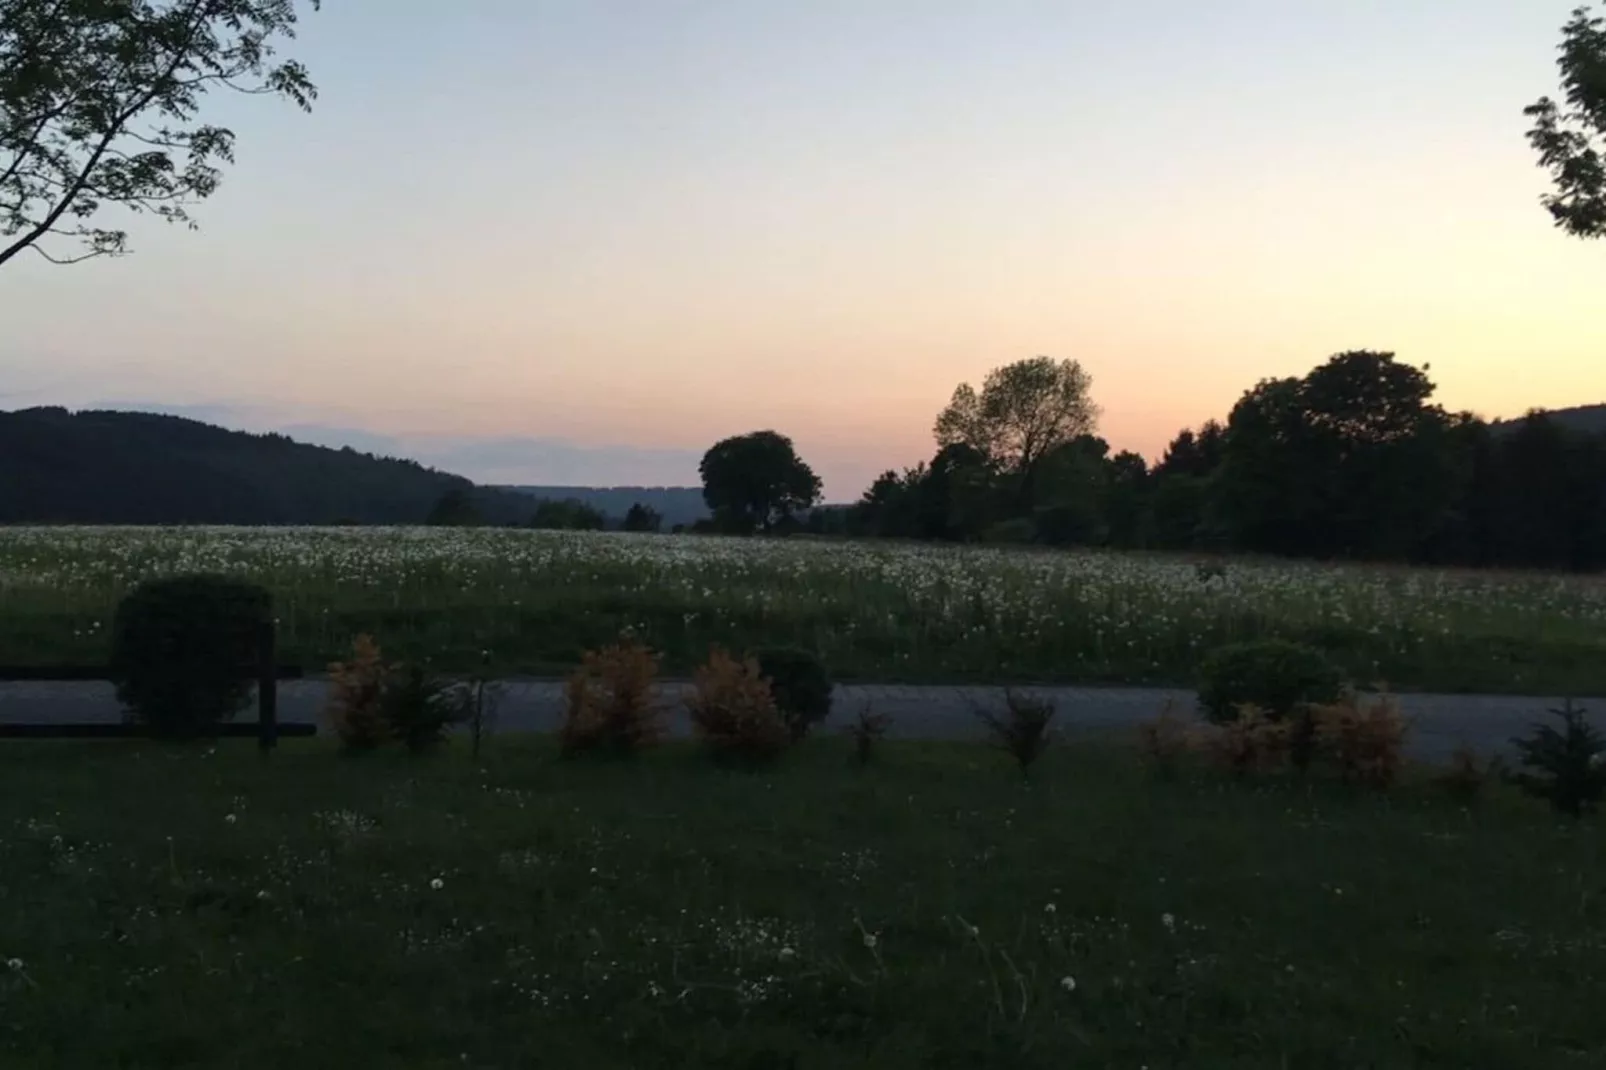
[{"x": 536, "y": 600}]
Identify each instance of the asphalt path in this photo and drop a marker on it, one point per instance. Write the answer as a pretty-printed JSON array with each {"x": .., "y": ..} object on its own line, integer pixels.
[{"x": 1439, "y": 723}]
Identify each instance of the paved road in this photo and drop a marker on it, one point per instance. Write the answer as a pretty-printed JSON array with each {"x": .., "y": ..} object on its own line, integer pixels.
[{"x": 1440, "y": 723}]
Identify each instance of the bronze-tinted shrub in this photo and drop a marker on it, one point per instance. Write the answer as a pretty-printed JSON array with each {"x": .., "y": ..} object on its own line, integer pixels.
[
  {"x": 356, "y": 697},
  {"x": 1167, "y": 740},
  {"x": 1364, "y": 741},
  {"x": 1249, "y": 743},
  {"x": 610, "y": 702},
  {"x": 733, "y": 710}
]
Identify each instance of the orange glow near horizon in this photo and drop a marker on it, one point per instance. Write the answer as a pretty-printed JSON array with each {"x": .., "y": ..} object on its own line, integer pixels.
[{"x": 822, "y": 220}]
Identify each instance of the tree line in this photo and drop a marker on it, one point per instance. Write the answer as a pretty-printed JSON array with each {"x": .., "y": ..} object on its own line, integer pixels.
[{"x": 1352, "y": 461}]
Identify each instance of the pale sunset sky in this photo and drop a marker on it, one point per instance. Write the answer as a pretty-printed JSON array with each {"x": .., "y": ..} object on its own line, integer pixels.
[{"x": 577, "y": 241}]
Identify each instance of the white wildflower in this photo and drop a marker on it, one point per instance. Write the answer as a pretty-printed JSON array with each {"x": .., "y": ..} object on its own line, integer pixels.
[
  {"x": 15, "y": 964},
  {"x": 1169, "y": 921},
  {"x": 1050, "y": 909},
  {"x": 437, "y": 884},
  {"x": 229, "y": 819},
  {"x": 870, "y": 941},
  {"x": 1068, "y": 983}
]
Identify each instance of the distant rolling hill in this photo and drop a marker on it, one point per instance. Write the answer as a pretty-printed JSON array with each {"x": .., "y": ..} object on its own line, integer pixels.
[
  {"x": 1586, "y": 419},
  {"x": 677, "y": 505},
  {"x": 103, "y": 467}
]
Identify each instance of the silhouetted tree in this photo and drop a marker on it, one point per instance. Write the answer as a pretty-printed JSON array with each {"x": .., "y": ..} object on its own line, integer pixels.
[
  {"x": 1069, "y": 493},
  {"x": 568, "y": 514},
  {"x": 1386, "y": 448},
  {"x": 1194, "y": 454},
  {"x": 1127, "y": 507},
  {"x": 1023, "y": 412},
  {"x": 1550, "y": 485},
  {"x": 642, "y": 518},
  {"x": 888, "y": 506},
  {"x": 1262, "y": 489},
  {"x": 754, "y": 481},
  {"x": 1349, "y": 461},
  {"x": 98, "y": 100},
  {"x": 454, "y": 509},
  {"x": 1177, "y": 511},
  {"x": 954, "y": 496},
  {"x": 1570, "y": 138}
]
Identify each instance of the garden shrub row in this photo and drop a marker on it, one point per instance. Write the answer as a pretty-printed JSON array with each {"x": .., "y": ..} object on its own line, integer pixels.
[
  {"x": 185, "y": 655},
  {"x": 1272, "y": 703},
  {"x": 185, "y": 652},
  {"x": 744, "y": 709}
]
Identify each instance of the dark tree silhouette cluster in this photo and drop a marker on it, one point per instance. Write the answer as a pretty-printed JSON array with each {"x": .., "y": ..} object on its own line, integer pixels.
[{"x": 1352, "y": 461}]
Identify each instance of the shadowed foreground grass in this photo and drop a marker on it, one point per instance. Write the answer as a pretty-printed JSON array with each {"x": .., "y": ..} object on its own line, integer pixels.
[{"x": 186, "y": 907}]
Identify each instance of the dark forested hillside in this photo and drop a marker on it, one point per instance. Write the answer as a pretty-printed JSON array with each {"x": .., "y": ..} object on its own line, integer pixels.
[
  {"x": 1586, "y": 419},
  {"x": 97, "y": 467}
]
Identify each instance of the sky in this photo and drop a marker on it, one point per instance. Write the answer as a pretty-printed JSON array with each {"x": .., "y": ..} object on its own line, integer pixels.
[{"x": 578, "y": 241}]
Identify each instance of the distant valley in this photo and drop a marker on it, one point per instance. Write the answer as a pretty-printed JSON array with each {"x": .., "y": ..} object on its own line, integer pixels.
[{"x": 676, "y": 505}]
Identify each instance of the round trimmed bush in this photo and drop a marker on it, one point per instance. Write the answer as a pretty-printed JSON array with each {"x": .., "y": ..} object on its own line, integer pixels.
[
  {"x": 184, "y": 651},
  {"x": 800, "y": 684},
  {"x": 1273, "y": 675}
]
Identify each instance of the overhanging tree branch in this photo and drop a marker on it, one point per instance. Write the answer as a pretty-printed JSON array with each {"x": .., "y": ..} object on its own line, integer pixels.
[
  {"x": 75, "y": 75},
  {"x": 1565, "y": 138}
]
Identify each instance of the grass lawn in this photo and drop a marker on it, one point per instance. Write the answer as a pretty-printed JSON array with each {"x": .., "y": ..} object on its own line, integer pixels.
[{"x": 204, "y": 907}]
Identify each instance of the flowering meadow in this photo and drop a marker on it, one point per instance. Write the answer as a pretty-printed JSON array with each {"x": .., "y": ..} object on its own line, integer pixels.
[
  {"x": 194, "y": 907},
  {"x": 533, "y": 601}
]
